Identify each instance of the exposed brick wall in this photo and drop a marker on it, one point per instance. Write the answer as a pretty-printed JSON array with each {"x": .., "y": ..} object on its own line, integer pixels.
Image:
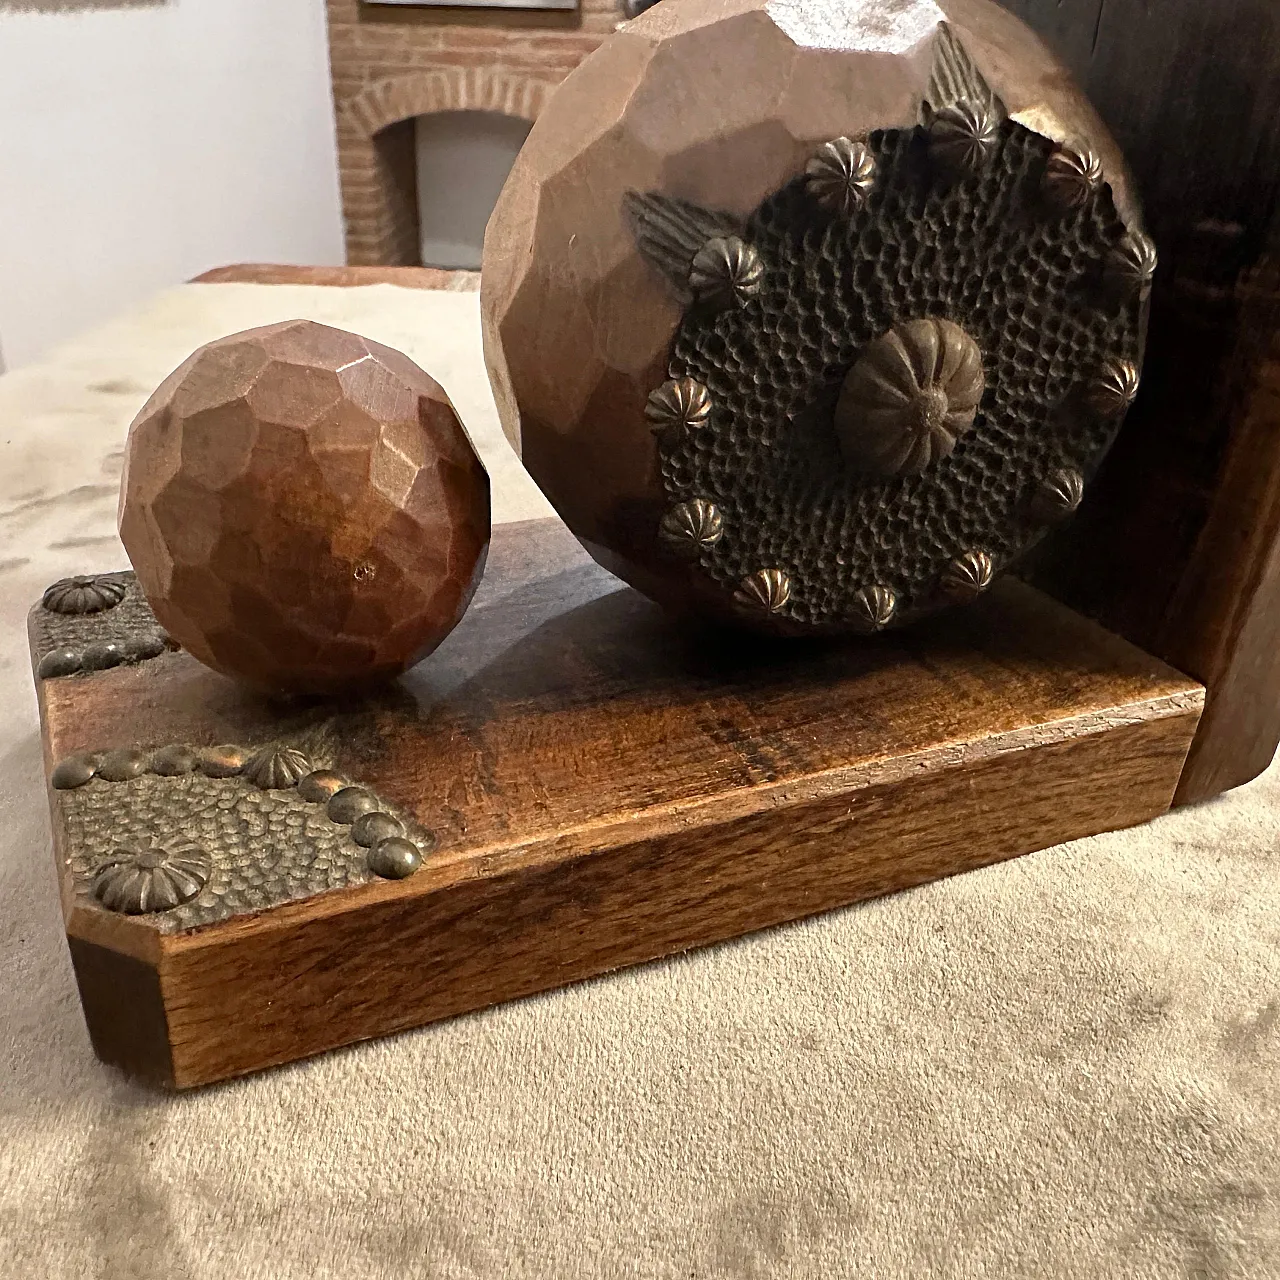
[{"x": 392, "y": 64}]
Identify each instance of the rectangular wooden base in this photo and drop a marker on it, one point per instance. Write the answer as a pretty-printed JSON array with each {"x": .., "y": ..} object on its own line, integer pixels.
[{"x": 605, "y": 787}]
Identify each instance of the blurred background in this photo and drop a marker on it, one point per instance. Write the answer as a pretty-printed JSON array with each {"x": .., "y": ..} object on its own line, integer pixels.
[
  {"x": 141, "y": 144},
  {"x": 145, "y": 141}
]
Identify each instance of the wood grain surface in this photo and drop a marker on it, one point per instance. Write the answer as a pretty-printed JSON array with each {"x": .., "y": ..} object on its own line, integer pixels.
[
  {"x": 343, "y": 277},
  {"x": 608, "y": 786}
]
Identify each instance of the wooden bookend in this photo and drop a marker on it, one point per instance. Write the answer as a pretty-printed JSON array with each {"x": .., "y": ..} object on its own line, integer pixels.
[{"x": 592, "y": 785}]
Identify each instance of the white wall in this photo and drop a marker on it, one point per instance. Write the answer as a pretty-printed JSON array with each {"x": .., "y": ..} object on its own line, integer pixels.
[
  {"x": 141, "y": 146},
  {"x": 463, "y": 160}
]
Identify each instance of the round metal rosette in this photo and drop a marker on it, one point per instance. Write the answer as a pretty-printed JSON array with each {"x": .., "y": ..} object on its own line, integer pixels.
[{"x": 810, "y": 358}]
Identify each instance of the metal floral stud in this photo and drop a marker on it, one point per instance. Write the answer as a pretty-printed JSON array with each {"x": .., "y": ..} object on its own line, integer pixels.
[
  {"x": 726, "y": 271},
  {"x": 85, "y": 593},
  {"x": 691, "y": 527},
  {"x": 875, "y": 607},
  {"x": 968, "y": 575},
  {"x": 1133, "y": 262},
  {"x": 841, "y": 175},
  {"x": 1058, "y": 495},
  {"x": 1073, "y": 173},
  {"x": 138, "y": 881},
  {"x": 766, "y": 589},
  {"x": 683, "y": 403},
  {"x": 963, "y": 136},
  {"x": 910, "y": 397},
  {"x": 1114, "y": 390},
  {"x": 277, "y": 768}
]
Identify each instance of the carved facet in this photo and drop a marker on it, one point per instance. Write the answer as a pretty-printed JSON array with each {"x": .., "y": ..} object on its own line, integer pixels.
[
  {"x": 874, "y": 607},
  {"x": 1072, "y": 174},
  {"x": 691, "y": 527},
  {"x": 138, "y": 881},
  {"x": 682, "y": 403},
  {"x": 1133, "y": 263},
  {"x": 1058, "y": 495},
  {"x": 726, "y": 271},
  {"x": 842, "y": 174},
  {"x": 1114, "y": 390},
  {"x": 969, "y": 575},
  {"x": 766, "y": 589},
  {"x": 964, "y": 137},
  {"x": 912, "y": 394},
  {"x": 276, "y": 768},
  {"x": 85, "y": 593}
]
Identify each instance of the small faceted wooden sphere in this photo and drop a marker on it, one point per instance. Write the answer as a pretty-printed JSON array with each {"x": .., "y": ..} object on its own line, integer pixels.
[{"x": 303, "y": 509}]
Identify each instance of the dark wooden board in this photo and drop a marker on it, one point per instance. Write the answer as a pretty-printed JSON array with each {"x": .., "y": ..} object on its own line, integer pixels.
[
  {"x": 1176, "y": 543},
  {"x": 608, "y": 787}
]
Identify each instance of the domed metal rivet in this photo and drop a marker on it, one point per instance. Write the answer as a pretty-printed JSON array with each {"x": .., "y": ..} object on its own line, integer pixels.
[
  {"x": 875, "y": 606},
  {"x": 394, "y": 858},
  {"x": 1132, "y": 264},
  {"x": 725, "y": 271},
  {"x": 122, "y": 766},
  {"x": 137, "y": 882},
  {"x": 101, "y": 657},
  {"x": 223, "y": 762},
  {"x": 173, "y": 762},
  {"x": 841, "y": 175},
  {"x": 144, "y": 646},
  {"x": 1073, "y": 174},
  {"x": 59, "y": 662},
  {"x": 682, "y": 403},
  {"x": 73, "y": 772},
  {"x": 1058, "y": 495},
  {"x": 317, "y": 787},
  {"x": 368, "y": 829},
  {"x": 964, "y": 136},
  {"x": 1115, "y": 388},
  {"x": 968, "y": 575},
  {"x": 691, "y": 527},
  {"x": 767, "y": 590},
  {"x": 350, "y": 803},
  {"x": 85, "y": 593},
  {"x": 276, "y": 768}
]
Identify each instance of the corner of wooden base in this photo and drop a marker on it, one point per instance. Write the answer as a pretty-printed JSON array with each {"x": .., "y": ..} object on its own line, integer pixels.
[{"x": 125, "y": 1011}]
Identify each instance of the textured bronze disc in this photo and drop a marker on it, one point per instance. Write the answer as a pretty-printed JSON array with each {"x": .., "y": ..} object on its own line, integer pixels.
[
  {"x": 903, "y": 379},
  {"x": 888, "y": 375}
]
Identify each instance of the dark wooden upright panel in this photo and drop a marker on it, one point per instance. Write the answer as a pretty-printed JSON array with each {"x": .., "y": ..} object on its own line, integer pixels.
[{"x": 1172, "y": 547}]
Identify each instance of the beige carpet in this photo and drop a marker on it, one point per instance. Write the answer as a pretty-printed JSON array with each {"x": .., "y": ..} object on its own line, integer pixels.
[{"x": 1068, "y": 1066}]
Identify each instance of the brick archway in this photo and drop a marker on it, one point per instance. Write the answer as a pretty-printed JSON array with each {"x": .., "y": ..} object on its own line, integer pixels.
[{"x": 376, "y": 148}]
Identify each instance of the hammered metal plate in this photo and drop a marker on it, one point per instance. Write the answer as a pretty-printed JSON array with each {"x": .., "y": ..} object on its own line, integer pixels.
[{"x": 263, "y": 847}]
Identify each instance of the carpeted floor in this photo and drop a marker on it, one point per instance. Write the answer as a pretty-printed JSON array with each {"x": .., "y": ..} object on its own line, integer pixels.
[{"x": 1066, "y": 1066}]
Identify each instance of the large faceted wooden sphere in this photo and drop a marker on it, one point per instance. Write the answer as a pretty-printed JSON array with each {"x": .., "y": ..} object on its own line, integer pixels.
[
  {"x": 704, "y": 125},
  {"x": 303, "y": 508}
]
